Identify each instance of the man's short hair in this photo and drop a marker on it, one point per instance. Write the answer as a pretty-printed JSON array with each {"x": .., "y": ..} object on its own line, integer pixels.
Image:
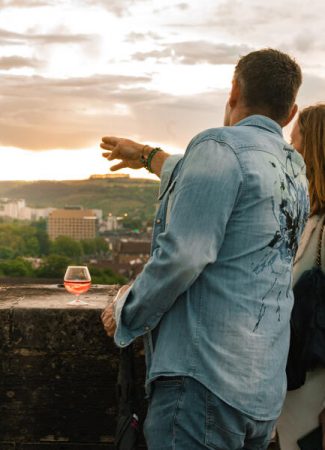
[{"x": 269, "y": 82}]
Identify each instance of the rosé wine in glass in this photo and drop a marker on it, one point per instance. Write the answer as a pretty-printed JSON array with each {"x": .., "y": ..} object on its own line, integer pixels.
[
  {"x": 77, "y": 287},
  {"x": 77, "y": 281}
]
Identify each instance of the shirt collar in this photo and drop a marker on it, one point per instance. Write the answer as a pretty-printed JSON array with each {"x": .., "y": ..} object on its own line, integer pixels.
[{"x": 260, "y": 121}]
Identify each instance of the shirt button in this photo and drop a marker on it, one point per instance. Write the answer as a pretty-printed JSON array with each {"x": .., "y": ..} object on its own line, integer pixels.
[
  {"x": 147, "y": 328},
  {"x": 158, "y": 221},
  {"x": 122, "y": 343}
]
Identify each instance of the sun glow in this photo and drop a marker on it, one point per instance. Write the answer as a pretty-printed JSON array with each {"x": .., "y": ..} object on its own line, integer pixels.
[
  {"x": 20, "y": 164},
  {"x": 17, "y": 164}
]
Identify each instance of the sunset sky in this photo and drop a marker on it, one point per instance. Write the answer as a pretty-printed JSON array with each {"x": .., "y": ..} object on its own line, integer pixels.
[{"x": 157, "y": 71}]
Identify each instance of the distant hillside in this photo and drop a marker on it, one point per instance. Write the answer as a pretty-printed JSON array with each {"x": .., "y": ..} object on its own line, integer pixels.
[{"x": 137, "y": 197}]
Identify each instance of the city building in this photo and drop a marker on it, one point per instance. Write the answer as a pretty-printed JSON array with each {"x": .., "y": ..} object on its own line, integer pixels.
[
  {"x": 111, "y": 222},
  {"x": 129, "y": 251},
  {"x": 17, "y": 209},
  {"x": 108, "y": 176},
  {"x": 74, "y": 222}
]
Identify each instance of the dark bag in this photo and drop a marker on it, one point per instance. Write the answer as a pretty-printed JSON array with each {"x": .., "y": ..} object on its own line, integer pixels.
[
  {"x": 307, "y": 341},
  {"x": 312, "y": 440},
  {"x": 127, "y": 428}
]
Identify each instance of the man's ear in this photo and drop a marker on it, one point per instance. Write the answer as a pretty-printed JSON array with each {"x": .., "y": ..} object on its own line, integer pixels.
[
  {"x": 292, "y": 113},
  {"x": 234, "y": 93}
]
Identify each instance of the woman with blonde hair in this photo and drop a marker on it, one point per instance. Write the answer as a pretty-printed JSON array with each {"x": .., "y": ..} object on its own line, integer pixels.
[{"x": 304, "y": 408}]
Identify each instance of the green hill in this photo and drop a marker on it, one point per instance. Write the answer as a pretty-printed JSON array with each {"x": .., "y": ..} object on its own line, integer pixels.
[{"x": 137, "y": 197}]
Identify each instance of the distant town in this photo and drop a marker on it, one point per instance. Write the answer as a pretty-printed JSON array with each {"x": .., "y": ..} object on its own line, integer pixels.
[{"x": 123, "y": 250}]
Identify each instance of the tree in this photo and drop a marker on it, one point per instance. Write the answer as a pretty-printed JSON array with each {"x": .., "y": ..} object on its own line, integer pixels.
[
  {"x": 93, "y": 247},
  {"x": 32, "y": 247},
  {"x": 105, "y": 276},
  {"x": 6, "y": 252},
  {"x": 20, "y": 239},
  {"x": 53, "y": 266},
  {"x": 42, "y": 236},
  {"x": 65, "y": 246},
  {"x": 16, "y": 268}
]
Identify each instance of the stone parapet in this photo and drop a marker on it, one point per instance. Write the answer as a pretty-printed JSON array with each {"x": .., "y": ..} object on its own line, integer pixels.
[{"x": 58, "y": 370}]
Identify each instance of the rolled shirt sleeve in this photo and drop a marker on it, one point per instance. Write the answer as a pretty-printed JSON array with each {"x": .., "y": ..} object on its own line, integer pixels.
[{"x": 205, "y": 194}]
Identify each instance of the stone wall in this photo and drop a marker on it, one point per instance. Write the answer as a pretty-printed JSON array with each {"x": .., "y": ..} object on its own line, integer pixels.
[{"x": 57, "y": 370}]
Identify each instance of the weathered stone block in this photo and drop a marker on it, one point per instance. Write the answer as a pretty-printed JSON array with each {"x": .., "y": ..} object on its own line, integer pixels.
[
  {"x": 7, "y": 446},
  {"x": 58, "y": 371},
  {"x": 5, "y": 322}
]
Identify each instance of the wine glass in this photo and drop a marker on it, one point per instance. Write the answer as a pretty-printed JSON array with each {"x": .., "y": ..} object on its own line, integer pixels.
[{"x": 77, "y": 280}]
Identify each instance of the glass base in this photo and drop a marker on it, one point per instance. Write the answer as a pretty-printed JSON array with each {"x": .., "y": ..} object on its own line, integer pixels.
[{"x": 77, "y": 302}]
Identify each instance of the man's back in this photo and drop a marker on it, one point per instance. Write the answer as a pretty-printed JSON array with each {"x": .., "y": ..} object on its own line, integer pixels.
[
  {"x": 214, "y": 300},
  {"x": 230, "y": 328}
]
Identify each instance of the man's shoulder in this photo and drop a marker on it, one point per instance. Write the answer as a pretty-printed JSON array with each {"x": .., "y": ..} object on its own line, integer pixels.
[
  {"x": 234, "y": 137},
  {"x": 219, "y": 134}
]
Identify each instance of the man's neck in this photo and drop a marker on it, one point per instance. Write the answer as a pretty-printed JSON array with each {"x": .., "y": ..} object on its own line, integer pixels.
[{"x": 241, "y": 113}]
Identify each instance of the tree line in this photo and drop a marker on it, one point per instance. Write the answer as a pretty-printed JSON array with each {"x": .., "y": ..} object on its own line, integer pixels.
[{"x": 20, "y": 243}]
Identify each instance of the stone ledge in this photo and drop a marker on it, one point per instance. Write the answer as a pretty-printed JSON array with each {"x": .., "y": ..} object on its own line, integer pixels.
[
  {"x": 53, "y": 446},
  {"x": 58, "y": 370}
]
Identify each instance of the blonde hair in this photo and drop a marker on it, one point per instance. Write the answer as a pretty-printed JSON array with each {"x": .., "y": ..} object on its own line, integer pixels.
[{"x": 311, "y": 122}]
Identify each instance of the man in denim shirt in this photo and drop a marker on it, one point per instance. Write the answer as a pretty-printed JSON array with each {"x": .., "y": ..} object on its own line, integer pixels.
[{"x": 213, "y": 302}]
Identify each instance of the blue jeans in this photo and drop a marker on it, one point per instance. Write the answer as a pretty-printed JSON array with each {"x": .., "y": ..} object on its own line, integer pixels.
[{"x": 184, "y": 415}]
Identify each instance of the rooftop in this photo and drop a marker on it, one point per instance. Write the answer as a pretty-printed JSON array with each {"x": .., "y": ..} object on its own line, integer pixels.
[{"x": 73, "y": 214}]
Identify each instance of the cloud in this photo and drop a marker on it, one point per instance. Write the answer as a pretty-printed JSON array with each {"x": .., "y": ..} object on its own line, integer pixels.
[
  {"x": 40, "y": 114},
  {"x": 272, "y": 24},
  {"x": 117, "y": 7},
  {"x": 24, "y": 3},
  {"x": 136, "y": 36},
  {"x": 12, "y": 38},
  {"x": 235, "y": 16},
  {"x": 294, "y": 27},
  {"x": 197, "y": 52},
  {"x": 183, "y": 6},
  {"x": 312, "y": 90},
  {"x": 17, "y": 62}
]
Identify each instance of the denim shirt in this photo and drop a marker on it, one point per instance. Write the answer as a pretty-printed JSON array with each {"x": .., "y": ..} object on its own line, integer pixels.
[{"x": 214, "y": 300}]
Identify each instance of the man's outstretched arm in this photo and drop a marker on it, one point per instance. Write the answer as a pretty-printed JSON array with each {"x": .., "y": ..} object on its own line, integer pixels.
[{"x": 132, "y": 154}]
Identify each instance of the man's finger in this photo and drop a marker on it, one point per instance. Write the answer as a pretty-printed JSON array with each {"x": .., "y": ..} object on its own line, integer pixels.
[
  {"x": 106, "y": 155},
  {"x": 111, "y": 154},
  {"x": 107, "y": 146},
  {"x": 110, "y": 328},
  {"x": 104, "y": 317},
  {"x": 107, "y": 311},
  {"x": 118, "y": 166},
  {"x": 110, "y": 140},
  {"x": 110, "y": 332}
]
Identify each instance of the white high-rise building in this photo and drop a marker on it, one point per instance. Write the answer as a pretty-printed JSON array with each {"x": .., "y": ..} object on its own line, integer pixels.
[{"x": 17, "y": 209}]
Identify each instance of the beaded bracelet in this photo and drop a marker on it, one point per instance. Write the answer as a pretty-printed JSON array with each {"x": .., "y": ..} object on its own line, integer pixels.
[{"x": 147, "y": 162}]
